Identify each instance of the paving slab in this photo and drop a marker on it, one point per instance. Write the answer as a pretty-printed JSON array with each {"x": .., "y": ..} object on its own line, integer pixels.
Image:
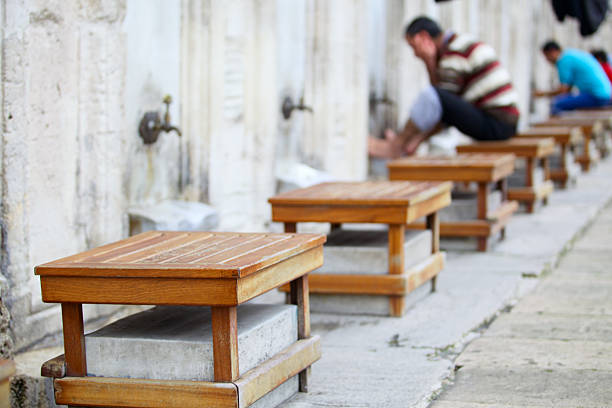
[
  {"x": 570, "y": 297},
  {"x": 532, "y": 387},
  {"x": 517, "y": 353},
  {"x": 350, "y": 377},
  {"x": 552, "y": 327}
]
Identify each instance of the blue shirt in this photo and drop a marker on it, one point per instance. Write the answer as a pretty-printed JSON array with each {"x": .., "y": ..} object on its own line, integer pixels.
[{"x": 580, "y": 69}]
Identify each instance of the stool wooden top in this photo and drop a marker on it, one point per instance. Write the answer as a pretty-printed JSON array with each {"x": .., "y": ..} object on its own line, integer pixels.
[
  {"x": 7, "y": 369},
  {"x": 368, "y": 201},
  {"x": 535, "y": 148},
  {"x": 203, "y": 268},
  {"x": 562, "y": 134},
  {"x": 462, "y": 167},
  {"x": 588, "y": 125}
]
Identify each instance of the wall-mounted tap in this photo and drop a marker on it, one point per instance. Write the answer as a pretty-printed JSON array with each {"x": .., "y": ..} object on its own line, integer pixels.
[
  {"x": 289, "y": 107},
  {"x": 384, "y": 100},
  {"x": 151, "y": 124}
]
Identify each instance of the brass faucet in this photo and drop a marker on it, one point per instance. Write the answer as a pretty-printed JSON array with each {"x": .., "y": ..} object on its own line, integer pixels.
[{"x": 151, "y": 124}]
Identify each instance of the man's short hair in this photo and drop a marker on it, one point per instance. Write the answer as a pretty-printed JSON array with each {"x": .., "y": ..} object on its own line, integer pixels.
[
  {"x": 551, "y": 46},
  {"x": 600, "y": 55},
  {"x": 423, "y": 23}
]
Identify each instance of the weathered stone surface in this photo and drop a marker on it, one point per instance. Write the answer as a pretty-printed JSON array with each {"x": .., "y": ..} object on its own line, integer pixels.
[
  {"x": 552, "y": 326},
  {"x": 531, "y": 387},
  {"x": 570, "y": 297},
  {"x": 349, "y": 251},
  {"x": 517, "y": 353},
  {"x": 173, "y": 215},
  {"x": 175, "y": 343},
  {"x": 28, "y": 387}
]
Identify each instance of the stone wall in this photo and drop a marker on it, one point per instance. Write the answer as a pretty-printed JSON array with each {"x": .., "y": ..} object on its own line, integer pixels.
[{"x": 62, "y": 146}]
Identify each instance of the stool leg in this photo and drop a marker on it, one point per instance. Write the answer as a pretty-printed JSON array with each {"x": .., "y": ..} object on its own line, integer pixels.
[
  {"x": 546, "y": 167},
  {"x": 299, "y": 294},
  {"x": 396, "y": 264},
  {"x": 483, "y": 205},
  {"x": 290, "y": 227},
  {"x": 502, "y": 186},
  {"x": 564, "y": 166},
  {"x": 225, "y": 343},
  {"x": 74, "y": 340},
  {"x": 432, "y": 222},
  {"x": 529, "y": 181}
]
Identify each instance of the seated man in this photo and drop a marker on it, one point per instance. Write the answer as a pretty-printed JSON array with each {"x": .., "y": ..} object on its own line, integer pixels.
[
  {"x": 469, "y": 90},
  {"x": 602, "y": 58},
  {"x": 580, "y": 70}
]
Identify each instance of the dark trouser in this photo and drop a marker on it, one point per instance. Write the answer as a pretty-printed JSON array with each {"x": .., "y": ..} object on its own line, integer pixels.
[{"x": 470, "y": 120}]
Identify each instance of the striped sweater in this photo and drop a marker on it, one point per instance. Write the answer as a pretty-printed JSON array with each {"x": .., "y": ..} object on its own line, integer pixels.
[{"x": 471, "y": 70}]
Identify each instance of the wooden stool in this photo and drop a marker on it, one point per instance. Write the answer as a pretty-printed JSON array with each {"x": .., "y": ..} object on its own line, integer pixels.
[
  {"x": 592, "y": 129},
  {"x": 483, "y": 169},
  {"x": 7, "y": 370},
  {"x": 566, "y": 137},
  {"x": 529, "y": 149},
  {"x": 603, "y": 139},
  {"x": 221, "y": 270},
  {"x": 394, "y": 203}
]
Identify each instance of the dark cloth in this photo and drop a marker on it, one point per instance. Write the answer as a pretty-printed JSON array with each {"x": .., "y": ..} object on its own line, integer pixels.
[
  {"x": 470, "y": 120},
  {"x": 590, "y": 13}
]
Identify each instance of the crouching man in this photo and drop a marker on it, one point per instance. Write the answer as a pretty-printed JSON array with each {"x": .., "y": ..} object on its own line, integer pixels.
[{"x": 469, "y": 90}]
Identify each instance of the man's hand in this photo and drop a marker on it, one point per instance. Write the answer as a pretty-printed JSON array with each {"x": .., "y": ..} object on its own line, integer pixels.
[{"x": 388, "y": 148}]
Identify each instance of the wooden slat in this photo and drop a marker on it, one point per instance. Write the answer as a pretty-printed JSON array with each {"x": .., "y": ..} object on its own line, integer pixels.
[
  {"x": 373, "y": 193},
  {"x": 427, "y": 207},
  {"x": 463, "y": 167},
  {"x": 339, "y": 213},
  {"x": 272, "y": 254},
  {"x": 54, "y": 368},
  {"x": 389, "y": 285},
  {"x": 520, "y": 147},
  {"x": 177, "y": 256},
  {"x": 138, "y": 291},
  {"x": 424, "y": 272},
  {"x": 279, "y": 274},
  {"x": 262, "y": 379},
  {"x": 138, "y": 393},
  {"x": 525, "y": 194},
  {"x": 353, "y": 284}
]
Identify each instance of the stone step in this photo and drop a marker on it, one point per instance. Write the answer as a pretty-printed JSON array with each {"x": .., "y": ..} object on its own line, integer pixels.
[
  {"x": 175, "y": 342},
  {"x": 365, "y": 251},
  {"x": 464, "y": 206}
]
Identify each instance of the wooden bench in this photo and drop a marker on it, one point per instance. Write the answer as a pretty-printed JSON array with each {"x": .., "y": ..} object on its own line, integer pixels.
[
  {"x": 603, "y": 138},
  {"x": 221, "y": 270},
  {"x": 566, "y": 137},
  {"x": 592, "y": 129},
  {"x": 532, "y": 150},
  {"x": 394, "y": 203},
  {"x": 483, "y": 169}
]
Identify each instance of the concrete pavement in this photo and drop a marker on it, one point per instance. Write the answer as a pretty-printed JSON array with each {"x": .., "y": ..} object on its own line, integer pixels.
[
  {"x": 555, "y": 347},
  {"x": 409, "y": 361}
]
